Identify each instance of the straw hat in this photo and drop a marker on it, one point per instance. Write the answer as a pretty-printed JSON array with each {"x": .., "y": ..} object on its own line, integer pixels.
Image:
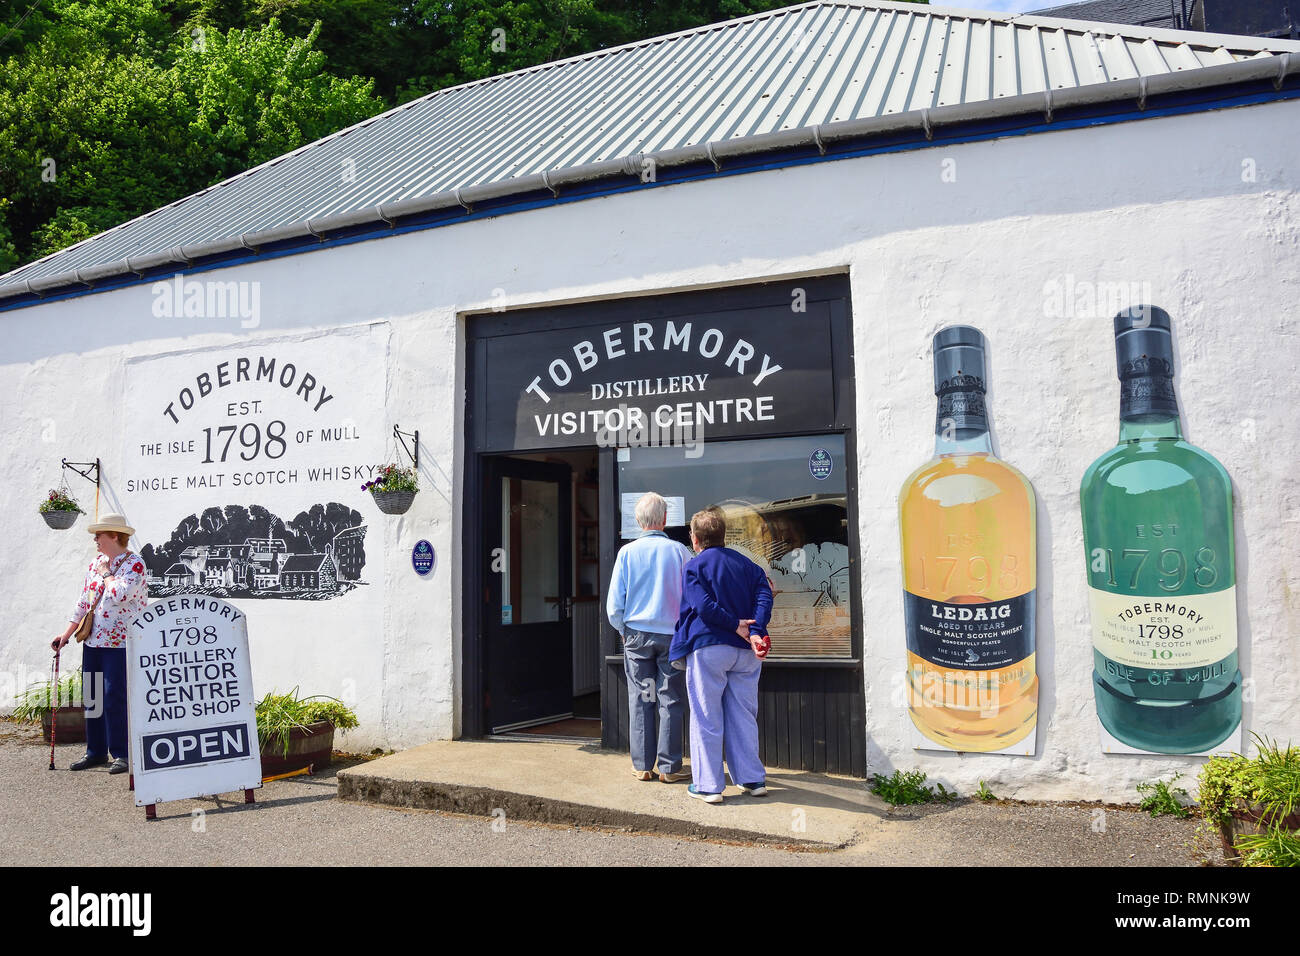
[{"x": 111, "y": 522}]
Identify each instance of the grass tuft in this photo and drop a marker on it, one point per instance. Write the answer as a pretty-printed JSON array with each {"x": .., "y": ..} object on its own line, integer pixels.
[{"x": 907, "y": 789}]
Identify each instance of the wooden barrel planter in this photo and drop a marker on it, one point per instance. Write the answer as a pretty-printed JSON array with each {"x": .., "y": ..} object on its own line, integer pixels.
[
  {"x": 309, "y": 746},
  {"x": 1245, "y": 822},
  {"x": 72, "y": 725}
]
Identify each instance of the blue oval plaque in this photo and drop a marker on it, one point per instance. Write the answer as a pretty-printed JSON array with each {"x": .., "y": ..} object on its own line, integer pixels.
[
  {"x": 820, "y": 464},
  {"x": 422, "y": 557}
]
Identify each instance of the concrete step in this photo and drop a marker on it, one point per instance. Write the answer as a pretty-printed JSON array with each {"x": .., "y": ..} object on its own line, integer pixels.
[{"x": 577, "y": 784}]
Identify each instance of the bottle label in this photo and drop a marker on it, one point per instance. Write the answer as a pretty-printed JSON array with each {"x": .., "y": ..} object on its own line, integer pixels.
[
  {"x": 1146, "y": 387},
  {"x": 974, "y": 637},
  {"x": 961, "y": 408},
  {"x": 1159, "y": 633}
]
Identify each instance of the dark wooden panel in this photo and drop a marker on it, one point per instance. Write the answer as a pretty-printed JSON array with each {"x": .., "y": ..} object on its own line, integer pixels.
[
  {"x": 775, "y": 712},
  {"x": 613, "y": 707},
  {"x": 808, "y": 718},
  {"x": 790, "y": 709},
  {"x": 821, "y": 703},
  {"x": 766, "y": 730},
  {"x": 858, "y": 722},
  {"x": 841, "y": 704}
]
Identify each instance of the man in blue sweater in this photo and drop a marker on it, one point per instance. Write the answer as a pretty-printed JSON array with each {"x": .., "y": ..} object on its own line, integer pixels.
[
  {"x": 645, "y": 592},
  {"x": 722, "y": 637}
]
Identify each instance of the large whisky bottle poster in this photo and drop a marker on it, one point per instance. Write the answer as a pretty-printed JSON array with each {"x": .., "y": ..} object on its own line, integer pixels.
[
  {"x": 244, "y": 464},
  {"x": 1159, "y": 546},
  {"x": 969, "y": 567}
]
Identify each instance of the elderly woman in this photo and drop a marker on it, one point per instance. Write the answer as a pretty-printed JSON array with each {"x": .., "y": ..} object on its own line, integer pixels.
[
  {"x": 721, "y": 637},
  {"x": 117, "y": 578}
]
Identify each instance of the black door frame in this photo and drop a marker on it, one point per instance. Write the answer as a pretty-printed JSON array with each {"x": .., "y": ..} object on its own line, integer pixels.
[
  {"x": 794, "y": 732},
  {"x": 515, "y": 654}
]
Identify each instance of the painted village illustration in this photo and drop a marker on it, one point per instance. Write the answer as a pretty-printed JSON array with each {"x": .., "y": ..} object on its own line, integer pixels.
[{"x": 248, "y": 552}]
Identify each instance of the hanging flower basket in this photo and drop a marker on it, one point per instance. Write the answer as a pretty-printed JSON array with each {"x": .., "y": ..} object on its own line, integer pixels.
[
  {"x": 59, "y": 510},
  {"x": 393, "y": 502},
  {"x": 393, "y": 490},
  {"x": 60, "y": 520}
]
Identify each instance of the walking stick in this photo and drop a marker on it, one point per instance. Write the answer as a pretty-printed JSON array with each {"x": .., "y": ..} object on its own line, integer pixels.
[{"x": 54, "y": 711}]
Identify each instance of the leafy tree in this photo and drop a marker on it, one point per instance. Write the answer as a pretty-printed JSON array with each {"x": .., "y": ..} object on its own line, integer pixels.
[
  {"x": 8, "y": 253},
  {"x": 113, "y": 110}
]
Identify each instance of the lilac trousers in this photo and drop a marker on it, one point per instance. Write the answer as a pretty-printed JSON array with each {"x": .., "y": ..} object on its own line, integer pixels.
[{"x": 722, "y": 683}]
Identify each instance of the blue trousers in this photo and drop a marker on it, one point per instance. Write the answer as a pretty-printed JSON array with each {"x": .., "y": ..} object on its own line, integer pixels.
[
  {"x": 656, "y": 699},
  {"x": 723, "y": 685},
  {"x": 103, "y": 681}
]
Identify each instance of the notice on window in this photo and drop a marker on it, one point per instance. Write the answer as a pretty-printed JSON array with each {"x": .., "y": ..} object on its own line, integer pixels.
[{"x": 627, "y": 504}]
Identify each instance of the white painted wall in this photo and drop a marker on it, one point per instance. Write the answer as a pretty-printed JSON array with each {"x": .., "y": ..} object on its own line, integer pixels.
[{"x": 1165, "y": 203}]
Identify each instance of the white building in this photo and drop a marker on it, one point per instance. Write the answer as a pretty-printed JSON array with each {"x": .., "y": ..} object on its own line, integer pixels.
[{"x": 819, "y": 188}]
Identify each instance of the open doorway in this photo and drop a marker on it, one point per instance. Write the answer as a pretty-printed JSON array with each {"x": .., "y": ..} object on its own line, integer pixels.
[
  {"x": 543, "y": 651},
  {"x": 737, "y": 374}
]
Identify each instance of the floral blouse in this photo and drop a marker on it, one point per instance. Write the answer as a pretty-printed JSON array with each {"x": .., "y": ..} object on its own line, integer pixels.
[{"x": 127, "y": 596}]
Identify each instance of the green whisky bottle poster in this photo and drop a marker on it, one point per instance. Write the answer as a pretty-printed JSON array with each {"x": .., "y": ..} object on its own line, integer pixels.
[{"x": 1158, "y": 540}]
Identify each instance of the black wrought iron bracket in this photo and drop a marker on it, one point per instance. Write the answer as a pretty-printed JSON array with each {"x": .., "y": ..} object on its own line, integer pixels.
[
  {"x": 92, "y": 468},
  {"x": 415, "y": 437}
]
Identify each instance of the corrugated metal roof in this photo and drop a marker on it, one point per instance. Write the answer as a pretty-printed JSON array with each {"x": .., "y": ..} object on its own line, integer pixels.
[{"x": 815, "y": 64}]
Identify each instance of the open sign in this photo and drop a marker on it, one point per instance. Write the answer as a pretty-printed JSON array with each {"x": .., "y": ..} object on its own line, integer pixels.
[
  {"x": 193, "y": 721},
  {"x": 187, "y": 747}
]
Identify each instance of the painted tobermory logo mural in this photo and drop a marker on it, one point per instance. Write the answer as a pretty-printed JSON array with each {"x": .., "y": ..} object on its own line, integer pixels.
[
  {"x": 248, "y": 552},
  {"x": 242, "y": 468}
]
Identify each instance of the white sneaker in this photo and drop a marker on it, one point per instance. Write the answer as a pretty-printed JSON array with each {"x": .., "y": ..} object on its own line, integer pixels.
[
  {"x": 706, "y": 797},
  {"x": 754, "y": 789}
]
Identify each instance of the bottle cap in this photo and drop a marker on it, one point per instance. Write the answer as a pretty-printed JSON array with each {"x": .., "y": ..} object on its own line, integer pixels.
[
  {"x": 1143, "y": 342},
  {"x": 958, "y": 358}
]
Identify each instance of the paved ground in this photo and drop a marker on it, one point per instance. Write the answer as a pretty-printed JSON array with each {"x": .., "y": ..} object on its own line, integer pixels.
[
  {"x": 87, "y": 818},
  {"x": 582, "y": 784}
]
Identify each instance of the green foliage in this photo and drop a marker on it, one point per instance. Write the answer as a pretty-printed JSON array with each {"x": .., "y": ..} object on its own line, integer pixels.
[
  {"x": 392, "y": 478},
  {"x": 112, "y": 110},
  {"x": 1162, "y": 798},
  {"x": 279, "y": 714},
  {"x": 38, "y": 700},
  {"x": 1267, "y": 785},
  {"x": 59, "y": 500},
  {"x": 1279, "y": 779},
  {"x": 1274, "y": 847},
  {"x": 984, "y": 793},
  {"x": 905, "y": 789},
  {"x": 8, "y": 253}
]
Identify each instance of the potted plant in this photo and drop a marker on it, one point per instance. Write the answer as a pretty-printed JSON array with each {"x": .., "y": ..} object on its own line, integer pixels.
[
  {"x": 295, "y": 732},
  {"x": 1255, "y": 804},
  {"x": 37, "y": 703},
  {"x": 394, "y": 489},
  {"x": 60, "y": 510}
]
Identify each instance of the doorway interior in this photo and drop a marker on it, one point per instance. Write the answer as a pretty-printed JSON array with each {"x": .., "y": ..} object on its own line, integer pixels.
[{"x": 544, "y": 650}]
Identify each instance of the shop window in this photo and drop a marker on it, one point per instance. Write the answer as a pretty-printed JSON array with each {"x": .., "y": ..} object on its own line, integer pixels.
[{"x": 785, "y": 501}]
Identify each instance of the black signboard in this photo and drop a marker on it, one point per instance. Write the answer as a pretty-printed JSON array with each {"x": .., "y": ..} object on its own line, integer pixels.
[{"x": 623, "y": 378}]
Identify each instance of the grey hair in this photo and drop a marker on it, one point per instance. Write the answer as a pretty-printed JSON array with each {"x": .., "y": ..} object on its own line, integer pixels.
[{"x": 651, "y": 510}]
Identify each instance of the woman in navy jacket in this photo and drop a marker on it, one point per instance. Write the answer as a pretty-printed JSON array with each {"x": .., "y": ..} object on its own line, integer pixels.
[{"x": 721, "y": 637}]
